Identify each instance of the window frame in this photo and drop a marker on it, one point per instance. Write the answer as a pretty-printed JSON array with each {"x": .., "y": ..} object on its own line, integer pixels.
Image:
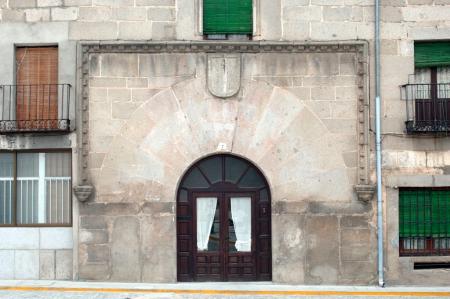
[
  {"x": 429, "y": 249},
  {"x": 255, "y": 16},
  {"x": 14, "y": 187}
]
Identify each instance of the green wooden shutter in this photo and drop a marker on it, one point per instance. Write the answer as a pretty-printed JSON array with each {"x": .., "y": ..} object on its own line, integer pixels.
[
  {"x": 227, "y": 17},
  {"x": 431, "y": 54},
  {"x": 424, "y": 213}
]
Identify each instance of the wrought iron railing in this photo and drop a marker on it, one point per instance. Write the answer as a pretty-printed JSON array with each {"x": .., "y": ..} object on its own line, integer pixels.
[
  {"x": 34, "y": 108},
  {"x": 427, "y": 107}
]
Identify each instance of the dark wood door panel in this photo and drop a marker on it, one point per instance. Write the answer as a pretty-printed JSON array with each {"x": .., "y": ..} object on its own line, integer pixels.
[{"x": 223, "y": 261}]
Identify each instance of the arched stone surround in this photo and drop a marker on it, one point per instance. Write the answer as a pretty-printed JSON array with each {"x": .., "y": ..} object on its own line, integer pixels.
[{"x": 297, "y": 116}]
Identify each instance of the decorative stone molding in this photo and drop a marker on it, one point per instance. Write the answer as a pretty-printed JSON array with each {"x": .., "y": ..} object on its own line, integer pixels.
[
  {"x": 360, "y": 48},
  {"x": 224, "y": 74},
  {"x": 222, "y": 47},
  {"x": 83, "y": 192},
  {"x": 365, "y": 192}
]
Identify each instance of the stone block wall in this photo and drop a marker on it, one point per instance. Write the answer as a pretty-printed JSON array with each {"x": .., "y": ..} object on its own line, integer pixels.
[
  {"x": 118, "y": 93},
  {"x": 295, "y": 117},
  {"x": 36, "y": 253}
]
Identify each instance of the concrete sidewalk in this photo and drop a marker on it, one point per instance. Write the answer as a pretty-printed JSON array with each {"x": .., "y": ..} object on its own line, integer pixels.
[{"x": 77, "y": 289}]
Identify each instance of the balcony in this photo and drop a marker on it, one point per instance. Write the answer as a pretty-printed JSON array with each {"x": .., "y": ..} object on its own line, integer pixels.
[
  {"x": 35, "y": 108},
  {"x": 427, "y": 107}
]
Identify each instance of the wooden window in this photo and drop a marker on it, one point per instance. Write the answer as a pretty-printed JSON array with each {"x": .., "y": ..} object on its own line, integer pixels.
[
  {"x": 35, "y": 188},
  {"x": 37, "y": 89},
  {"x": 424, "y": 221},
  {"x": 432, "y": 84},
  {"x": 227, "y": 17}
]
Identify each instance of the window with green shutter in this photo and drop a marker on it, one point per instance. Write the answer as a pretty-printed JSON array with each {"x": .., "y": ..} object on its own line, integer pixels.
[
  {"x": 431, "y": 54},
  {"x": 430, "y": 90},
  {"x": 424, "y": 221},
  {"x": 227, "y": 17}
]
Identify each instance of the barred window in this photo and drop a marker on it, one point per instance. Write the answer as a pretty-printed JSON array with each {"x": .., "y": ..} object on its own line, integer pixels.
[
  {"x": 35, "y": 188},
  {"x": 424, "y": 221}
]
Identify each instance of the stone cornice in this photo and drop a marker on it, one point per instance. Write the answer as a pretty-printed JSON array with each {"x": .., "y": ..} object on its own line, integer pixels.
[{"x": 223, "y": 47}]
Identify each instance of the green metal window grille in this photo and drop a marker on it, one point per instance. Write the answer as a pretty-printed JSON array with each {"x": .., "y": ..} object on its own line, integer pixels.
[
  {"x": 424, "y": 221},
  {"x": 227, "y": 17},
  {"x": 431, "y": 54}
]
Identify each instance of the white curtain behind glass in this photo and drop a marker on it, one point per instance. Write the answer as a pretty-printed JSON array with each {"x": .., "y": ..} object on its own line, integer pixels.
[
  {"x": 57, "y": 187},
  {"x": 43, "y": 187},
  {"x": 241, "y": 214},
  {"x": 6, "y": 187},
  {"x": 206, "y": 209},
  {"x": 28, "y": 188},
  {"x": 422, "y": 76},
  {"x": 443, "y": 76}
]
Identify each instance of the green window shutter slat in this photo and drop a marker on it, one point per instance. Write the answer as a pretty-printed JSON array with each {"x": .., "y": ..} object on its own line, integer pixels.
[
  {"x": 424, "y": 213},
  {"x": 430, "y": 54},
  {"x": 227, "y": 17}
]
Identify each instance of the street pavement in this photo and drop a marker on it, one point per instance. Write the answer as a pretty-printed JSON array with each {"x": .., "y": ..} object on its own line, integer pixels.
[{"x": 15, "y": 289}]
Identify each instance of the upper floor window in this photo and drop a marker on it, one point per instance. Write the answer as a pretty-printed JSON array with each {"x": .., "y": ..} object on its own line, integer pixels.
[
  {"x": 429, "y": 94},
  {"x": 35, "y": 188},
  {"x": 36, "y": 102},
  {"x": 424, "y": 221},
  {"x": 223, "y": 19}
]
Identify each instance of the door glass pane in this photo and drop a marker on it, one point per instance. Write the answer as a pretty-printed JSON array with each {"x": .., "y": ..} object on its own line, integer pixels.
[
  {"x": 240, "y": 224},
  {"x": 6, "y": 187},
  {"x": 208, "y": 224},
  {"x": 422, "y": 77},
  {"x": 212, "y": 168},
  {"x": 195, "y": 179},
  {"x": 252, "y": 179},
  {"x": 443, "y": 80},
  {"x": 234, "y": 168}
]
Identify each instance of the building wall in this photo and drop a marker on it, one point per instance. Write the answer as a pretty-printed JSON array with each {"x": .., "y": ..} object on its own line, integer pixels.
[
  {"x": 67, "y": 22},
  {"x": 151, "y": 116},
  {"x": 36, "y": 253}
]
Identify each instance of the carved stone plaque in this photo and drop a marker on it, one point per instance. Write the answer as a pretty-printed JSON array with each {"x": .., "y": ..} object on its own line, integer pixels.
[{"x": 224, "y": 74}]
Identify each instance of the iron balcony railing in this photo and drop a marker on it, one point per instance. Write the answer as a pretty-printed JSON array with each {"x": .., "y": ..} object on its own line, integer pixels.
[
  {"x": 427, "y": 107},
  {"x": 34, "y": 108}
]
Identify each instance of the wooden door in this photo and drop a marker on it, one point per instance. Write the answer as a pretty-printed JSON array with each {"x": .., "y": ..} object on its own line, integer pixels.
[
  {"x": 37, "y": 89},
  {"x": 207, "y": 248},
  {"x": 229, "y": 251}
]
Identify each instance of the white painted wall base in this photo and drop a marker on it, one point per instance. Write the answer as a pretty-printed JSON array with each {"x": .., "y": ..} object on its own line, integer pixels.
[{"x": 36, "y": 253}]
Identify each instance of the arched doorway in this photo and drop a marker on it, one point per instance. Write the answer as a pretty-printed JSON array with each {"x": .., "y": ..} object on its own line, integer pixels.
[{"x": 223, "y": 222}]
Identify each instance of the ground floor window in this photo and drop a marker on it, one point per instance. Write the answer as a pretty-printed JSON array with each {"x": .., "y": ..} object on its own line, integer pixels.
[
  {"x": 35, "y": 188},
  {"x": 424, "y": 221}
]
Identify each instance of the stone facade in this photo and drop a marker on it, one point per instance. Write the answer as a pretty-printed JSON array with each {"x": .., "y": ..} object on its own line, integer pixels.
[
  {"x": 36, "y": 253},
  {"x": 144, "y": 115},
  {"x": 294, "y": 116}
]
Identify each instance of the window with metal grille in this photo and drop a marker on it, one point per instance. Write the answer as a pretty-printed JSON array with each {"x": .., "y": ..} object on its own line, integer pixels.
[
  {"x": 225, "y": 18},
  {"x": 424, "y": 221},
  {"x": 430, "y": 91},
  {"x": 35, "y": 188}
]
